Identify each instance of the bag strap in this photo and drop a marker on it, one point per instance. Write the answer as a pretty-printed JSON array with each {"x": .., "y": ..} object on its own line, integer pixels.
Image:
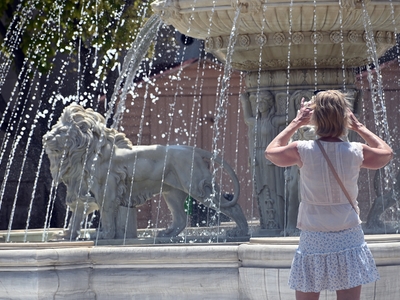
[{"x": 335, "y": 174}]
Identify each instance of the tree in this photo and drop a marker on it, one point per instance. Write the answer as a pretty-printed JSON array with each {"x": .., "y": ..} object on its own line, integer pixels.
[
  {"x": 56, "y": 47},
  {"x": 33, "y": 27}
]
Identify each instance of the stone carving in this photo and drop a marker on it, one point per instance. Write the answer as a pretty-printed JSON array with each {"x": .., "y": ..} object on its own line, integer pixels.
[
  {"x": 198, "y": 16},
  {"x": 298, "y": 77},
  {"x": 336, "y": 37},
  {"x": 298, "y": 38},
  {"x": 322, "y": 58},
  {"x": 244, "y": 40},
  {"x": 168, "y": 10},
  {"x": 353, "y": 4},
  {"x": 261, "y": 39},
  {"x": 303, "y": 54},
  {"x": 103, "y": 170},
  {"x": 292, "y": 173},
  {"x": 279, "y": 38},
  {"x": 247, "y": 6},
  {"x": 317, "y": 37},
  {"x": 353, "y": 37},
  {"x": 365, "y": 36},
  {"x": 380, "y": 37},
  {"x": 390, "y": 38},
  {"x": 219, "y": 42},
  {"x": 384, "y": 200},
  {"x": 263, "y": 121}
]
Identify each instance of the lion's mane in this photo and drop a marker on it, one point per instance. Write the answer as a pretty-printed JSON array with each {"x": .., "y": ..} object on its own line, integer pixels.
[{"x": 81, "y": 135}]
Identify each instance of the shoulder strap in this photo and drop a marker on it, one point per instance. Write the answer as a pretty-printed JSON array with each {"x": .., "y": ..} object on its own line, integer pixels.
[{"x": 335, "y": 174}]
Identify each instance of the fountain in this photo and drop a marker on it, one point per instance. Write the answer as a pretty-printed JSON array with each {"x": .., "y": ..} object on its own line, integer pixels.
[{"x": 285, "y": 56}]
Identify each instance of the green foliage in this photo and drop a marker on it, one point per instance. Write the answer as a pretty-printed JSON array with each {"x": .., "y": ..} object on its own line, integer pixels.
[
  {"x": 4, "y": 4},
  {"x": 51, "y": 26}
]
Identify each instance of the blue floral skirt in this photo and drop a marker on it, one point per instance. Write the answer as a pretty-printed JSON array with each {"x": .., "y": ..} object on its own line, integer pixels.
[{"x": 332, "y": 261}]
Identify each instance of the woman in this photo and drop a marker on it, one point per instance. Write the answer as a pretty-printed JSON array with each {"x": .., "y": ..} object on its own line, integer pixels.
[{"x": 332, "y": 253}]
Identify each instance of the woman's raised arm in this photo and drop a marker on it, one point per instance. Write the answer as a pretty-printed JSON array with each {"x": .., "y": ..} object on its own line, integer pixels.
[
  {"x": 279, "y": 151},
  {"x": 376, "y": 153}
]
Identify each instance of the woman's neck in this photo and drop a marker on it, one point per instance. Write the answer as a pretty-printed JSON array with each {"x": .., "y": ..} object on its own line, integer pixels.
[{"x": 330, "y": 139}]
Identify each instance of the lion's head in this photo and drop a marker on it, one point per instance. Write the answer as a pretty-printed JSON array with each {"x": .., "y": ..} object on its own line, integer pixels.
[{"x": 73, "y": 142}]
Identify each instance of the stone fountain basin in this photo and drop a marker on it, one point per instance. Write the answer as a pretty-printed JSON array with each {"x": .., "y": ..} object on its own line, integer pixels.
[
  {"x": 336, "y": 37},
  {"x": 254, "y": 270}
]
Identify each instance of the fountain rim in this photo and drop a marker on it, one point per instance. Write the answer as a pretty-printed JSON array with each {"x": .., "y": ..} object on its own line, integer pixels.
[
  {"x": 190, "y": 7},
  {"x": 259, "y": 252}
]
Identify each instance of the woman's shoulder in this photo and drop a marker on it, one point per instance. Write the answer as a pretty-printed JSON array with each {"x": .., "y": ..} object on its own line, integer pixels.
[
  {"x": 352, "y": 150},
  {"x": 305, "y": 144},
  {"x": 353, "y": 146}
]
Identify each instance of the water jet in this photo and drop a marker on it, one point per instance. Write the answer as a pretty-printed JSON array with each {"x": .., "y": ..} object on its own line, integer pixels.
[{"x": 284, "y": 56}]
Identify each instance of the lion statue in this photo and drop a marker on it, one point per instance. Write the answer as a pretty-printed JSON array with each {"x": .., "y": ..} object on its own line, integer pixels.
[{"x": 102, "y": 170}]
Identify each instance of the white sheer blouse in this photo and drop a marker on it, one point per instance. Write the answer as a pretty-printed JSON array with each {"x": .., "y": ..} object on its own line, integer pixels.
[{"x": 324, "y": 206}]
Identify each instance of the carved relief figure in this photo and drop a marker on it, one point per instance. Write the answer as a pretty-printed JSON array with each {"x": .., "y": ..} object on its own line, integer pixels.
[
  {"x": 292, "y": 173},
  {"x": 385, "y": 198},
  {"x": 261, "y": 117},
  {"x": 103, "y": 170}
]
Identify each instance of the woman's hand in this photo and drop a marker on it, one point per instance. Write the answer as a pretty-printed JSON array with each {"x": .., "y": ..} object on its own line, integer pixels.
[
  {"x": 353, "y": 124},
  {"x": 304, "y": 114},
  {"x": 279, "y": 151},
  {"x": 376, "y": 153}
]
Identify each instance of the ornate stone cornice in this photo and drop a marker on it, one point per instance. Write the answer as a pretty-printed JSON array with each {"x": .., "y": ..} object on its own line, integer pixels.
[
  {"x": 357, "y": 4},
  {"x": 168, "y": 10},
  {"x": 299, "y": 38},
  {"x": 299, "y": 63},
  {"x": 247, "y": 6},
  {"x": 279, "y": 79},
  {"x": 336, "y": 36}
]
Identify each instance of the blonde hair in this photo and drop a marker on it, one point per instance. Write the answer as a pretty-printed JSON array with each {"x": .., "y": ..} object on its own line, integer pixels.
[{"x": 330, "y": 113}]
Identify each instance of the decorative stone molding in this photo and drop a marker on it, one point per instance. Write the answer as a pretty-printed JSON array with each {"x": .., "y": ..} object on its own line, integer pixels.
[
  {"x": 183, "y": 14},
  {"x": 383, "y": 37},
  {"x": 261, "y": 39},
  {"x": 219, "y": 42},
  {"x": 317, "y": 37},
  {"x": 380, "y": 37},
  {"x": 354, "y": 37},
  {"x": 336, "y": 37},
  {"x": 357, "y": 4},
  {"x": 298, "y": 38},
  {"x": 209, "y": 43},
  {"x": 299, "y": 63},
  {"x": 168, "y": 10},
  {"x": 244, "y": 40},
  {"x": 307, "y": 49},
  {"x": 247, "y": 6},
  {"x": 298, "y": 78},
  {"x": 390, "y": 37},
  {"x": 304, "y": 38},
  {"x": 279, "y": 38}
]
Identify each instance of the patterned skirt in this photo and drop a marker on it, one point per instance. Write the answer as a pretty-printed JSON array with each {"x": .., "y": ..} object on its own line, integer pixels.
[{"x": 332, "y": 261}]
